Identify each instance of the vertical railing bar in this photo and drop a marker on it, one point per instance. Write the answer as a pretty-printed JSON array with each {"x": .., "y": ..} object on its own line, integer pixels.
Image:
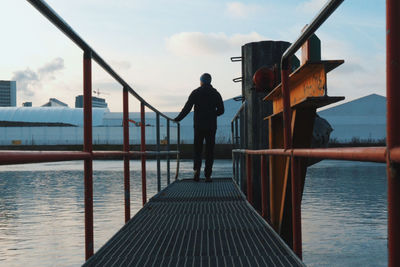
[
  {"x": 168, "y": 157},
  {"x": 178, "y": 141},
  {"x": 158, "y": 150},
  {"x": 143, "y": 149},
  {"x": 264, "y": 188},
  {"x": 88, "y": 147},
  {"x": 296, "y": 206},
  {"x": 249, "y": 179},
  {"x": 127, "y": 194},
  {"x": 393, "y": 127}
]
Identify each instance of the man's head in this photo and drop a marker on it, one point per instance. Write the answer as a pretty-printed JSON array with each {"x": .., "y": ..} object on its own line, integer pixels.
[{"x": 205, "y": 79}]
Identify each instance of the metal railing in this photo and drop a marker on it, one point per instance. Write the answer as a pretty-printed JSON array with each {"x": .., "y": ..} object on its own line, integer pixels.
[
  {"x": 88, "y": 154},
  {"x": 389, "y": 154}
]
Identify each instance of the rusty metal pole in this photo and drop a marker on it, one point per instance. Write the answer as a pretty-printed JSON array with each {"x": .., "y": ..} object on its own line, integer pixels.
[
  {"x": 127, "y": 195},
  {"x": 393, "y": 127},
  {"x": 296, "y": 206},
  {"x": 158, "y": 150},
  {"x": 264, "y": 188},
  {"x": 143, "y": 149},
  {"x": 287, "y": 114},
  {"x": 249, "y": 179},
  {"x": 168, "y": 157},
  {"x": 87, "y": 147}
]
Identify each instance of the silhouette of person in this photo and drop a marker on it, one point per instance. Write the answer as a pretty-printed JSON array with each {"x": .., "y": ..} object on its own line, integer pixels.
[{"x": 208, "y": 105}]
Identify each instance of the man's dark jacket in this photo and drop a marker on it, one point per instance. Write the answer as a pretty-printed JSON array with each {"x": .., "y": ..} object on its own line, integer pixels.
[{"x": 208, "y": 105}]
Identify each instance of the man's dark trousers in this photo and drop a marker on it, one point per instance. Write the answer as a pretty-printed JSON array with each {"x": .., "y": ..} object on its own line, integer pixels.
[{"x": 199, "y": 136}]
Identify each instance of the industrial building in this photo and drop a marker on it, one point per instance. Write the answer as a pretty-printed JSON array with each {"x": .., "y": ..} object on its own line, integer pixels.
[
  {"x": 8, "y": 93},
  {"x": 363, "y": 118},
  {"x": 97, "y": 102}
]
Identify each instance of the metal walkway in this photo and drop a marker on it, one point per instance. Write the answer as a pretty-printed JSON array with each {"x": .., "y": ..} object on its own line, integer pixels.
[{"x": 196, "y": 224}]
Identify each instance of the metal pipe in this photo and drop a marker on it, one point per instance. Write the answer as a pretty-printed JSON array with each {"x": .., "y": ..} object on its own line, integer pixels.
[
  {"x": 158, "y": 150},
  {"x": 249, "y": 180},
  {"x": 22, "y": 157},
  {"x": 168, "y": 160},
  {"x": 264, "y": 188},
  {"x": 143, "y": 149},
  {"x": 296, "y": 206},
  {"x": 127, "y": 194},
  {"x": 178, "y": 140},
  {"x": 318, "y": 20},
  {"x": 368, "y": 154},
  {"x": 63, "y": 26},
  {"x": 395, "y": 155},
  {"x": 287, "y": 112},
  {"x": 88, "y": 147},
  {"x": 393, "y": 127}
]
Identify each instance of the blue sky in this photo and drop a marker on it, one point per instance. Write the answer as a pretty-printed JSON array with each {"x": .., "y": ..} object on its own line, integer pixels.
[{"x": 162, "y": 47}]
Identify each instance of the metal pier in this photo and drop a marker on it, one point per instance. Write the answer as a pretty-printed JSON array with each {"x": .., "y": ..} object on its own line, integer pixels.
[{"x": 196, "y": 224}]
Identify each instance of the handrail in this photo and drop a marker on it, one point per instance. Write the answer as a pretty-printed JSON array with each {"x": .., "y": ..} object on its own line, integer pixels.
[
  {"x": 319, "y": 19},
  {"x": 61, "y": 24}
]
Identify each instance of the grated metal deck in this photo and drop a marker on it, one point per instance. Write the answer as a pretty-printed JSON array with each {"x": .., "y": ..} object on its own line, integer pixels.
[{"x": 196, "y": 224}]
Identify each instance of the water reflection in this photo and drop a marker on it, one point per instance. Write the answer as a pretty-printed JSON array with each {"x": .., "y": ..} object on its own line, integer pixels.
[{"x": 42, "y": 212}]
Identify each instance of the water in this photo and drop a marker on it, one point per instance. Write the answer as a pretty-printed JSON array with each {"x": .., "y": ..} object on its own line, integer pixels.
[{"x": 42, "y": 212}]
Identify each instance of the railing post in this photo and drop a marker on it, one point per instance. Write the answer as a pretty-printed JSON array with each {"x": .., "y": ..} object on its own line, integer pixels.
[
  {"x": 126, "y": 157},
  {"x": 287, "y": 114},
  {"x": 168, "y": 160},
  {"x": 88, "y": 147},
  {"x": 249, "y": 179},
  {"x": 143, "y": 150},
  {"x": 158, "y": 150},
  {"x": 393, "y": 127},
  {"x": 178, "y": 141},
  {"x": 296, "y": 206},
  {"x": 264, "y": 188}
]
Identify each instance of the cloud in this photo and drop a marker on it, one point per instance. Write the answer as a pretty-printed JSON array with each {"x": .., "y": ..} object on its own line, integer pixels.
[
  {"x": 240, "y": 10},
  {"x": 200, "y": 44},
  {"x": 311, "y": 6},
  {"x": 28, "y": 81}
]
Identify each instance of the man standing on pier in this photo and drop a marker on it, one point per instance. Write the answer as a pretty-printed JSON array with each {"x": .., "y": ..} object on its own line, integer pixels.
[{"x": 208, "y": 105}]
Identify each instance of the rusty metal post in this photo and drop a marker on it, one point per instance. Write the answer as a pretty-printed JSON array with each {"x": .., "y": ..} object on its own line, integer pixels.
[
  {"x": 168, "y": 157},
  {"x": 296, "y": 206},
  {"x": 249, "y": 179},
  {"x": 127, "y": 194},
  {"x": 158, "y": 150},
  {"x": 178, "y": 142},
  {"x": 88, "y": 147},
  {"x": 143, "y": 149},
  {"x": 264, "y": 188},
  {"x": 393, "y": 127},
  {"x": 287, "y": 114}
]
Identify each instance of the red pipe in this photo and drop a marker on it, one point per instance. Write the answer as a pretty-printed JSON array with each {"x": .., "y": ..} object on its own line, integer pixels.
[
  {"x": 127, "y": 186},
  {"x": 369, "y": 154},
  {"x": 393, "y": 127},
  {"x": 296, "y": 206},
  {"x": 264, "y": 188},
  {"x": 143, "y": 149},
  {"x": 22, "y": 157},
  {"x": 249, "y": 180},
  {"x": 287, "y": 113},
  {"x": 87, "y": 147},
  {"x": 395, "y": 155}
]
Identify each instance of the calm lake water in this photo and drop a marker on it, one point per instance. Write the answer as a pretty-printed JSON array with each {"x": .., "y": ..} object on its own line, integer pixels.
[{"x": 42, "y": 212}]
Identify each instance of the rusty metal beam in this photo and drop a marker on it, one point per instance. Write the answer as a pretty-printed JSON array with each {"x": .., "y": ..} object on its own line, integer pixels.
[
  {"x": 393, "y": 127},
  {"x": 22, "y": 157}
]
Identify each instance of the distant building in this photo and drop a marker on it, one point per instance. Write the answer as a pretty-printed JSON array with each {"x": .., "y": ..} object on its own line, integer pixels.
[
  {"x": 361, "y": 119},
  {"x": 97, "y": 102},
  {"x": 54, "y": 102},
  {"x": 27, "y": 104},
  {"x": 8, "y": 93}
]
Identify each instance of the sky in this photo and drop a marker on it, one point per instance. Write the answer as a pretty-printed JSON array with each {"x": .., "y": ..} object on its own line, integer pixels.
[{"x": 162, "y": 47}]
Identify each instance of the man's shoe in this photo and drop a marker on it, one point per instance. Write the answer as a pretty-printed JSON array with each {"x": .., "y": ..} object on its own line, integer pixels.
[
  {"x": 208, "y": 180},
  {"x": 196, "y": 176}
]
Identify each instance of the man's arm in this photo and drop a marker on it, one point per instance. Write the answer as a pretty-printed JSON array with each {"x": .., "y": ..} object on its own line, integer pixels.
[
  {"x": 220, "y": 106},
  {"x": 186, "y": 109}
]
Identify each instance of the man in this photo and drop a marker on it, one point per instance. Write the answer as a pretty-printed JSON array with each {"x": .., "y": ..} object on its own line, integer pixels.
[{"x": 208, "y": 105}]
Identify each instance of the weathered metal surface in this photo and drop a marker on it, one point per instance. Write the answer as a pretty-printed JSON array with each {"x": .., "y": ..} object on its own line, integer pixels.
[
  {"x": 393, "y": 127},
  {"x": 196, "y": 224},
  {"x": 305, "y": 84}
]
